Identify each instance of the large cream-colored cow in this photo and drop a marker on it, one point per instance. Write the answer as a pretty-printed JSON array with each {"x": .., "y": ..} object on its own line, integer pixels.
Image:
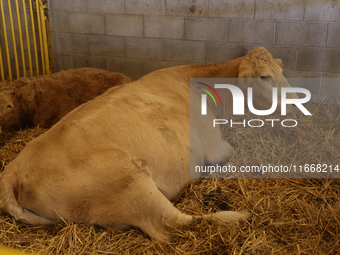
[{"x": 120, "y": 159}]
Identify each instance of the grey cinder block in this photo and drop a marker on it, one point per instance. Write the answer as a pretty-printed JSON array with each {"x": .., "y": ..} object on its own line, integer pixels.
[
  {"x": 283, "y": 9},
  {"x": 87, "y": 23},
  {"x": 124, "y": 25},
  {"x": 333, "y": 36},
  {"x": 106, "y": 45},
  {"x": 247, "y": 31},
  {"x": 231, "y": 9},
  {"x": 89, "y": 61},
  {"x": 69, "y": 6},
  {"x": 301, "y": 33},
  {"x": 164, "y": 27},
  {"x": 206, "y": 29},
  {"x": 133, "y": 68},
  {"x": 330, "y": 85},
  {"x": 105, "y": 6},
  {"x": 62, "y": 62},
  {"x": 302, "y": 79},
  {"x": 69, "y": 43},
  {"x": 300, "y": 74},
  {"x": 221, "y": 52},
  {"x": 145, "y": 7},
  {"x": 187, "y": 8},
  {"x": 322, "y": 10},
  {"x": 319, "y": 59},
  {"x": 144, "y": 48},
  {"x": 59, "y": 22},
  {"x": 184, "y": 51},
  {"x": 156, "y": 65}
]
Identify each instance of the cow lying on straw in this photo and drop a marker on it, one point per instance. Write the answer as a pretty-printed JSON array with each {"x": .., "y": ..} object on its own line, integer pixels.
[
  {"x": 44, "y": 100},
  {"x": 120, "y": 159}
]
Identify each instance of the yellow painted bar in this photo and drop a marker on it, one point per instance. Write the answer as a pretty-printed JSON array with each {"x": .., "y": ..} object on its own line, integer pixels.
[
  {"x": 45, "y": 43},
  {"x": 13, "y": 38},
  {"x": 20, "y": 37},
  {"x": 2, "y": 66},
  {"x": 50, "y": 52},
  {"x": 40, "y": 14},
  {"x": 40, "y": 37},
  {"x": 27, "y": 39},
  {"x": 34, "y": 39},
  {"x": 6, "y": 41}
]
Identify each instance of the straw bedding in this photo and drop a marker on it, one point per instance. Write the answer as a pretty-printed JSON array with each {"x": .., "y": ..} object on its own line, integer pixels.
[{"x": 289, "y": 216}]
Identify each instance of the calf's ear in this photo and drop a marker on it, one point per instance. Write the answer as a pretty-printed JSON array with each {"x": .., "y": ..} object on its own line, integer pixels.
[
  {"x": 279, "y": 62},
  {"x": 27, "y": 92}
]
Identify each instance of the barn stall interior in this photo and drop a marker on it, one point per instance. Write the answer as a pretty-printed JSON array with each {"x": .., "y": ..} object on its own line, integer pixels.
[{"x": 289, "y": 216}]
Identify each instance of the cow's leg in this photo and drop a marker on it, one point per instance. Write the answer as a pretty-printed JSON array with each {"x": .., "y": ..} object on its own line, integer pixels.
[{"x": 151, "y": 211}]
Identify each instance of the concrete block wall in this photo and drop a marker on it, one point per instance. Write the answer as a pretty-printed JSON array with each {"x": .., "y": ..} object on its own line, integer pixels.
[{"x": 136, "y": 37}]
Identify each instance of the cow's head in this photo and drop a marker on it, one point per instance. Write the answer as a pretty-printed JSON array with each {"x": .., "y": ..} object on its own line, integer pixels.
[
  {"x": 259, "y": 70},
  {"x": 9, "y": 118}
]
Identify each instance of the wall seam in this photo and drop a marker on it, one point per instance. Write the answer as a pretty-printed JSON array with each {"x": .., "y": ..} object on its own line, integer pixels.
[
  {"x": 326, "y": 34},
  {"x": 304, "y": 10}
]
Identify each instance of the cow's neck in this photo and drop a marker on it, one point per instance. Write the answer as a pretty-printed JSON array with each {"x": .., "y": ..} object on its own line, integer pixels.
[{"x": 227, "y": 69}]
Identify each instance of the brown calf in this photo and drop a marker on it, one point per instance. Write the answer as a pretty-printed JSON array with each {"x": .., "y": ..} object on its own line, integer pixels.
[{"x": 44, "y": 100}]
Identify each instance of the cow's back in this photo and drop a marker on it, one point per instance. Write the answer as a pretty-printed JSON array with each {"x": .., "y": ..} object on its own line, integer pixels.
[{"x": 149, "y": 122}]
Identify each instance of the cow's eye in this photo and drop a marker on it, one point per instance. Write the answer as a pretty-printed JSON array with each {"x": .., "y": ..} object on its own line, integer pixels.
[
  {"x": 8, "y": 106},
  {"x": 264, "y": 78}
]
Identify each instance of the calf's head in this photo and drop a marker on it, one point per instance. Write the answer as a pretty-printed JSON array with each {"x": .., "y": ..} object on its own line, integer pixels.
[{"x": 9, "y": 116}]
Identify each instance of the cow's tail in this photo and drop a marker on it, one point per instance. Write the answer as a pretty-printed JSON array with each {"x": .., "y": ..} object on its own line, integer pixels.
[{"x": 9, "y": 202}]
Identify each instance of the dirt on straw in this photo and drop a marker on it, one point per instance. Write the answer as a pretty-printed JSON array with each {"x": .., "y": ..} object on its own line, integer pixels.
[{"x": 289, "y": 216}]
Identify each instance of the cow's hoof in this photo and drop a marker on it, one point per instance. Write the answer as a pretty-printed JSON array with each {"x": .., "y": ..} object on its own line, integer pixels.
[{"x": 231, "y": 215}]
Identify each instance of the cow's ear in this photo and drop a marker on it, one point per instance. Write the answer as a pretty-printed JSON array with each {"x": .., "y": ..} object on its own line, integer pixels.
[{"x": 279, "y": 62}]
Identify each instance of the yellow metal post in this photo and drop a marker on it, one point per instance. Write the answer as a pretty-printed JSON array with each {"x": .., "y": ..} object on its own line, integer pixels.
[
  {"x": 20, "y": 37},
  {"x": 45, "y": 43},
  {"x": 50, "y": 52},
  {"x": 34, "y": 39},
  {"x": 40, "y": 37},
  {"x": 27, "y": 38},
  {"x": 39, "y": 14},
  {"x": 2, "y": 66},
  {"x": 13, "y": 38},
  {"x": 6, "y": 41}
]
